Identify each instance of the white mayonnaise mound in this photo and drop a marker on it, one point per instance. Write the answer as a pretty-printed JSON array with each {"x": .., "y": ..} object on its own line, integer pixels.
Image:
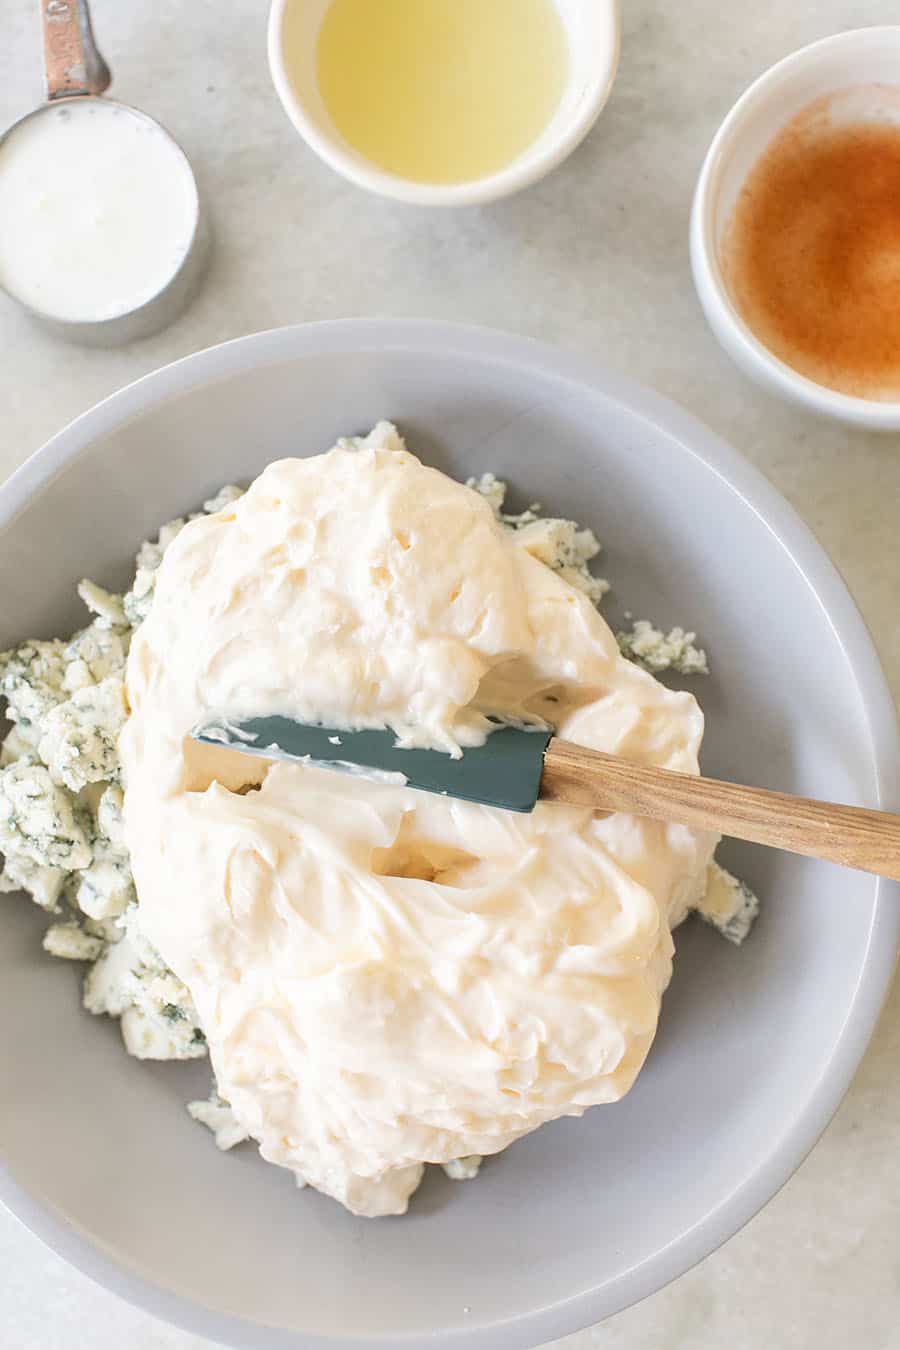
[{"x": 385, "y": 977}]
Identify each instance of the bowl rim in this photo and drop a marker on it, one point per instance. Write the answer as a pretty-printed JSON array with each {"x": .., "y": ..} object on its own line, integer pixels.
[
  {"x": 727, "y": 324},
  {"x": 520, "y": 174},
  {"x": 801, "y": 1131}
]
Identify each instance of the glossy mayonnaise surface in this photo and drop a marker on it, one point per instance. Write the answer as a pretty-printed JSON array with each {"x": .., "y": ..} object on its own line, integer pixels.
[{"x": 387, "y": 977}]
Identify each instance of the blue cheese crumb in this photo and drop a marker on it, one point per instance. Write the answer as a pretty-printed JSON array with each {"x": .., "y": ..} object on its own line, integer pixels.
[
  {"x": 656, "y": 651},
  {"x": 31, "y": 681},
  {"x": 45, "y": 885},
  {"x": 70, "y": 942},
  {"x": 224, "y": 497},
  {"x": 728, "y": 904},
  {"x": 107, "y": 606},
  {"x": 94, "y": 654},
  {"x": 80, "y": 736},
  {"x": 464, "y": 1169},
  {"x": 216, "y": 1114},
  {"x": 383, "y": 436},
  {"x": 137, "y": 601},
  {"x": 38, "y": 819},
  {"x": 14, "y": 747},
  {"x": 492, "y": 488},
  {"x": 559, "y": 544},
  {"x": 130, "y": 981}
]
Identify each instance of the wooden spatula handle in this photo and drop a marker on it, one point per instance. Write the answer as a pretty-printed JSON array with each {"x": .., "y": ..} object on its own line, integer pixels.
[{"x": 851, "y": 835}]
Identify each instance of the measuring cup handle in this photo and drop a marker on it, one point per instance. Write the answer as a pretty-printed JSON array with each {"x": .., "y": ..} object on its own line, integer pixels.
[{"x": 72, "y": 62}]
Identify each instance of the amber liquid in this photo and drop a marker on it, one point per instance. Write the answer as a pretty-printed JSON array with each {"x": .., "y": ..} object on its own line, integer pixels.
[{"x": 812, "y": 252}]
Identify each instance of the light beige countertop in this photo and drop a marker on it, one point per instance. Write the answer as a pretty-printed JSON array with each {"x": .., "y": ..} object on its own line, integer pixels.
[{"x": 594, "y": 258}]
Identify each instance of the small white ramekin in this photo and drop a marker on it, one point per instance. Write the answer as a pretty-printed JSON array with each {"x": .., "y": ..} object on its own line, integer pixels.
[
  {"x": 860, "y": 57},
  {"x": 592, "y": 28}
]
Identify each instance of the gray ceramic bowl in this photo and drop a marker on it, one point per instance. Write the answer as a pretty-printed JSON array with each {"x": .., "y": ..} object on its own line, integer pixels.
[{"x": 756, "y": 1046}]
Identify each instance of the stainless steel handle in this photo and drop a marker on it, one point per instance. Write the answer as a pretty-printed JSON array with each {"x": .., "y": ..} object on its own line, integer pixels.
[{"x": 72, "y": 63}]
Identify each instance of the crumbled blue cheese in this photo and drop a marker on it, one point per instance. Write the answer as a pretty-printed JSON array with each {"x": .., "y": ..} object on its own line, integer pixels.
[
  {"x": 464, "y": 1169},
  {"x": 110, "y": 816},
  {"x": 70, "y": 942},
  {"x": 560, "y": 544},
  {"x": 31, "y": 681},
  {"x": 107, "y": 606},
  {"x": 493, "y": 489},
  {"x": 383, "y": 436},
  {"x": 44, "y": 884},
  {"x": 80, "y": 736},
  {"x": 217, "y": 1115},
  {"x": 136, "y": 602},
  {"x": 95, "y": 654},
  {"x": 38, "y": 819},
  {"x": 656, "y": 651},
  {"x": 224, "y": 497},
  {"x": 130, "y": 981},
  {"x": 567, "y": 550},
  {"x": 728, "y": 904},
  {"x": 105, "y": 889},
  {"x": 61, "y": 809},
  {"x": 147, "y": 1036},
  {"x": 14, "y": 747}
]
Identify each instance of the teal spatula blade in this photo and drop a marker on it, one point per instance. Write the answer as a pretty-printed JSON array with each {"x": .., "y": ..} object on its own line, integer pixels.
[{"x": 505, "y": 771}]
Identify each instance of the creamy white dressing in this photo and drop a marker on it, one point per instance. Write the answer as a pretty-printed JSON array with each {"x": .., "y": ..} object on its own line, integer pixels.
[{"x": 388, "y": 977}]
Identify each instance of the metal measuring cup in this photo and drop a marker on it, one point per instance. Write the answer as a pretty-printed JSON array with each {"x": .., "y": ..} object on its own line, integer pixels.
[{"x": 75, "y": 70}]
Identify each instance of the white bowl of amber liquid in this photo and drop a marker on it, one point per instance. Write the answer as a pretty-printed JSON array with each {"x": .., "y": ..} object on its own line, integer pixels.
[{"x": 795, "y": 229}]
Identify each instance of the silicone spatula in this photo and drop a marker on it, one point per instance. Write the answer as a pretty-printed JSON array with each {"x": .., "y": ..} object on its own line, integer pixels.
[{"x": 515, "y": 768}]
